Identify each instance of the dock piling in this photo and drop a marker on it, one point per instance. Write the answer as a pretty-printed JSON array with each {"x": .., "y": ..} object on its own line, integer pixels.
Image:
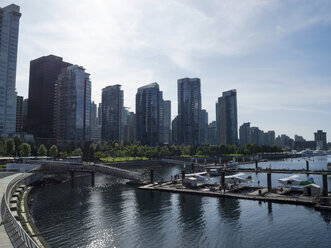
[
  {"x": 223, "y": 178},
  {"x": 92, "y": 179},
  {"x": 152, "y": 176},
  {"x": 256, "y": 164},
  {"x": 183, "y": 174},
  {"x": 325, "y": 185},
  {"x": 269, "y": 181},
  {"x": 307, "y": 165}
]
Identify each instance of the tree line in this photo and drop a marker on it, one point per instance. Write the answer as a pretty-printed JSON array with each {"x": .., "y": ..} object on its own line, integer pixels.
[{"x": 91, "y": 151}]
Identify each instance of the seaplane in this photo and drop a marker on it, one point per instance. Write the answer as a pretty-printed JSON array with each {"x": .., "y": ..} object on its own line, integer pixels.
[
  {"x": 237, "y": 178},
  {"x": 293, "y": 180},
  {"x": 200, "y": 176}
]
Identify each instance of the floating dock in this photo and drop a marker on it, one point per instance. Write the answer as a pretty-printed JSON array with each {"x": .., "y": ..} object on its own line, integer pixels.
[{"x": 277, "y": 195}]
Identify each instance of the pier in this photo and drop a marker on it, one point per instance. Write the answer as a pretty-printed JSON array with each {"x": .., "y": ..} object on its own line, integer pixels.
[{"x": 286, "y": 195}]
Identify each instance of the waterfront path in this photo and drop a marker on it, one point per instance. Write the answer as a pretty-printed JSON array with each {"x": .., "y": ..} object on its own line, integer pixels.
[{"x": 5, "y": 241}]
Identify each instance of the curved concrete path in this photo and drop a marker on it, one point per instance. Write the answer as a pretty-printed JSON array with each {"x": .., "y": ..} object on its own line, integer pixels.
[{"x": 4, "y": 238}]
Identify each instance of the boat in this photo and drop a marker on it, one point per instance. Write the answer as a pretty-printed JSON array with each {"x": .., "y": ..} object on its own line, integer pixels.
[
  {"x": 318, "y": 152},
  {"x": 306, "y": 153}
]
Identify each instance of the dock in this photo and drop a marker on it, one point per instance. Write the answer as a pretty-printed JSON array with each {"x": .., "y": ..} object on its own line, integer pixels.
[{"x": 276, "y": 195}]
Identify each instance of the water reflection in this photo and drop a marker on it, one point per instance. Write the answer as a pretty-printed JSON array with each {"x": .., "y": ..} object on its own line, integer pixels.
[{"x": 229, "y": 208}]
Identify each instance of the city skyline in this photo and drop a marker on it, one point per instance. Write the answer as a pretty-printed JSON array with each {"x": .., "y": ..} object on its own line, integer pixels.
[{"x": 285, "y": 88}]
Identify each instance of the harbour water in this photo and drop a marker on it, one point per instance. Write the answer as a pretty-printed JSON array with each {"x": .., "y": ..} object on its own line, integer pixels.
[{"x": 113, "y": 214}]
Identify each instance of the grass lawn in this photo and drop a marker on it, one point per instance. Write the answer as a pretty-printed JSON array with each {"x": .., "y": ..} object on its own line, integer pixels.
[
  {"x": 2, "y": 166},
  {"x": 121, "y": 159}
]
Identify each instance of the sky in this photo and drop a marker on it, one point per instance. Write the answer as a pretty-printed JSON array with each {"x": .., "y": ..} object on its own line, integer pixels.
[{"x": 276, "y": 54}]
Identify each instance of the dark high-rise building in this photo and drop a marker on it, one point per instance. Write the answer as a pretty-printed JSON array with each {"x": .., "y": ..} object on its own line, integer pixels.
[
  {"x": 9, "y": 26},
  {"x": 112, "y": 110},
  {"x": 94, "y": 120},
  {"x": 226, "y": 118},
  {"x": 19, "y": 114},
  {"x": 189, "y": 111},
  {"x": 73, "y": 105},
  {"x": 245, "y": 134},
  {"x": 320, "y": 138},
  {"x": 174, "y": 131},
  {"x": 203, "y": 126},
  {"x": 166, "y": 122},
  {"x": 25, "y": 113},
  {"x": 100, "y": 114},
  {"x": 148, "y": 126},
  {"x": 44, "y": 73}
]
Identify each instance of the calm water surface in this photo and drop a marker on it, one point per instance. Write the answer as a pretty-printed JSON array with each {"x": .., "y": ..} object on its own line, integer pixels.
[{"x": 112, "y": 214}]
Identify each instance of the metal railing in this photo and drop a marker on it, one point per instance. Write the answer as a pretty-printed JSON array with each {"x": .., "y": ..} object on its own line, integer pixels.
[{"x": 7, "y": 215}]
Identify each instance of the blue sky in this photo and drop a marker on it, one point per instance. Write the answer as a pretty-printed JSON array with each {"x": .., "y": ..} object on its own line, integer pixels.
[{"x": 275, "y": 53}]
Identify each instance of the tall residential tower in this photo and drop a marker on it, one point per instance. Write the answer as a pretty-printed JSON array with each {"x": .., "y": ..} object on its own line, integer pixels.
[
  {"x": 9, "y": 25},
  {"x": 226, "y": 118},
  {"x": 148, "y": 114},
  {"x": 112, "y": 109},
  {"x": 189, "y": 111},
  {"x": 73, "y": 105}
]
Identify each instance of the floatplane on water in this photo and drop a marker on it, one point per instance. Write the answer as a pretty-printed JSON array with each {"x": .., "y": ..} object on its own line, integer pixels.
[{"x": 293, "y": 180}]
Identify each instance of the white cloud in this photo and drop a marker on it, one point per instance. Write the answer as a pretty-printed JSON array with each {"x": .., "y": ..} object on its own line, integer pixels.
[{"x": 137, "y": 42}]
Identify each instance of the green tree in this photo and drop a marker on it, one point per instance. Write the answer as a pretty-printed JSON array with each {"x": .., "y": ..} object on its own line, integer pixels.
[
  {"x": 53, "y": 151},
  {"x": 77, "y": 152},
  {"x": 24, "y": 150},
  {"x": 10, "y": 147},
  {"x": 2, "y": 147},
  {"x": 42, "y": 150},
  {"x": 18, "y": 141}
]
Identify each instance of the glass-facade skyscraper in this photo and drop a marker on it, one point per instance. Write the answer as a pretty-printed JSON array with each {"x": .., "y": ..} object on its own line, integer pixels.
[
  {"x": 73, "y": 105},
  {"x": 112, "y": 111},
  {"x": 189, "y": 111},
  {"x": 148, "y": 114},
  {"x": 226, "y": 118},
  {"x": 9, "y": 26}
]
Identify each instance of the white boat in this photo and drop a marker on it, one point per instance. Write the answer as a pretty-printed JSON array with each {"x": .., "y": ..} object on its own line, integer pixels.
[
  {"x": 306, "y": 153},
  {"x": 318, "y": 152}
]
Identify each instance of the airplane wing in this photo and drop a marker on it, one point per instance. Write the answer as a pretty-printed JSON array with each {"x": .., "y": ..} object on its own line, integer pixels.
[
  {"x": 235, "y": 175},
  {"x": 196, "y": 174}
]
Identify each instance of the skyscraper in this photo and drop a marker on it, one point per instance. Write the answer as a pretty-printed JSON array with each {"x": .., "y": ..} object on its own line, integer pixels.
[
  {"x": 245, "y": 134},
  {"x": 212, "y": 140},
  {"x": 112, "y": 108},
  {"x": 100, "y": 113},
  {"x": 44, "y": 73},
  {"x": 320, "y": 138},
  {"x": 9, "y": 25},
  {"x": 189, "y": 111},
  {"x": 93, "y": 114},
  {"x": 166, "y": 122},
  {"x": 174, "y": 131},
  {"x": 19, "y": 114},
  {"x": 226, "y": 118},
  {"x": 73, "y": 105},
  {"x": 148, "y": 126},
  {"x": 203, "y": 126}
]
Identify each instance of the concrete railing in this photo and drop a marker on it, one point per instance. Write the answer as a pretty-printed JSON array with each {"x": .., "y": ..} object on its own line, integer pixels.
[{"x": 6, "y": 213}]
